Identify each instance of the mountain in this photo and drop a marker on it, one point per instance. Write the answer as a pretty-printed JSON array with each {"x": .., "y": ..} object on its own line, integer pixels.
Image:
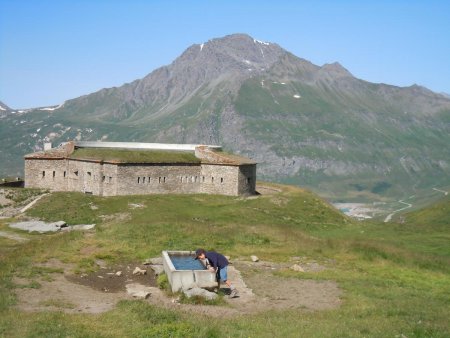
[
  {"x": 314, "y": 126},
  {"x": 4, "y": 109}
]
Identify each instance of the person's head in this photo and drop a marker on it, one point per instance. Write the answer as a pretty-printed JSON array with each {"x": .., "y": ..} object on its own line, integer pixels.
[{"x": 200, "y": 254}]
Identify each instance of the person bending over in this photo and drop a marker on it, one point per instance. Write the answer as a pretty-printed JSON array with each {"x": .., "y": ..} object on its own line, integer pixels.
[{"x": 219, "y": 264}]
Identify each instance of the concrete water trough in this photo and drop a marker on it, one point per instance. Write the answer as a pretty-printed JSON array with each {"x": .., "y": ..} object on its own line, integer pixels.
[{"x": 184, "y": 272}]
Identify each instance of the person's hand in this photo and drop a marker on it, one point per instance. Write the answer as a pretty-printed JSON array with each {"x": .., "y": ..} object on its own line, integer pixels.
[{"x": 211, "y": 269}]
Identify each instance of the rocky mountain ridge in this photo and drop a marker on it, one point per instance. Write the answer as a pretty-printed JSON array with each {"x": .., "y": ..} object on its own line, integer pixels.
[{"x": 310, "y": 125}]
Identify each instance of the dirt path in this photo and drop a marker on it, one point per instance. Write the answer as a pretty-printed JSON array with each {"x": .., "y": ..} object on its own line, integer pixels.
[
  {"x": 100, "y": 291},
  {"x": 388, "y": 217}
]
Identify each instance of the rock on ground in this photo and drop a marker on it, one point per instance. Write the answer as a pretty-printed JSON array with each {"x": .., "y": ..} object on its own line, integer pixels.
[
  {"x": 158, "y": 269},
  {"x": 154, "y": 261},
  {"x": 254, "y": 258},
  {"x": 139, "y": 271},
  {"x": 138, "y": 290},
  {"x": 38, "y": 226},
  {"x": 196, "y": 291},
  {"x": 297, "y": 268}
]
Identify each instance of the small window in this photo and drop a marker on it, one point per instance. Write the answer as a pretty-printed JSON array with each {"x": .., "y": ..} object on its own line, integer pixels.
[
  {"x": 249, "y": 180},
  {"x": 203, "y": 179},
  {"x": 181, "y": 179},
  {"x": 143, "y": 180},
  {"x": 110, "y": 179},
  {"x": 148, "y": 179},
  {"x": 89, "y": 173},
  {"x": 159, "y": 180},
  {"x": 195, "y": 179},
  {"x": 212, "y": 179},
  {"x": 43, "y": 174},
  {"x": 76, "y": 172},
  {"x": 164, "y": 179},
  {"x": 139, "y": 179},
  {"x": 221, "y": 180},
  {"x": 65, "y": 173},
  {"x": 103, "y": 178},
  {"x": 54, "y": 174}
]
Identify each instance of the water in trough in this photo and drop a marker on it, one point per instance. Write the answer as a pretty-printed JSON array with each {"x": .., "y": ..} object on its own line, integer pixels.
[{"x": 186, "y": 262}]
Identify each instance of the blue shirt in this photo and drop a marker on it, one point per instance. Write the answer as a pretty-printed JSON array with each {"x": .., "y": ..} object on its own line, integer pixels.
[{"x": 216, "y": 259}]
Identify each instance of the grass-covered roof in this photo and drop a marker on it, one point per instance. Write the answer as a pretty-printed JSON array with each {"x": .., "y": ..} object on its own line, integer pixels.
[{"x": 134, "y": 156}]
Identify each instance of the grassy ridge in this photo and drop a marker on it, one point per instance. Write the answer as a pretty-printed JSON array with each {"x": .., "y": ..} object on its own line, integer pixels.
[{"x": 393, "y": 282}]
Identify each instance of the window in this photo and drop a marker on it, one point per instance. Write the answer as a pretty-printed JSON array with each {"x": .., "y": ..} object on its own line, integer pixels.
[
  {"x": 103, "y": 178},
  {"x": 195, "y": 179},
  {"x": 65, "y": 173},
  {"x": 110, "y": 179},
  {"x": 249, "y": 180},
  {"x": 181, "y": 179},
  {"x": 43, "y": 174},
  {"x": 164, "y": 179},
  {"x": 54, "y": 174},
  {"x": 148, "y": 180},
  {"x": 139, "y": 180},
  {"x": 76, "y": 172},
  {"x": 203, "y": 179},
  {"x": 143, "y": 180},
  {"x": 221, "y": 180},
  {"x": 159, "y": 180},
  {"x": 212, "y": 179}
]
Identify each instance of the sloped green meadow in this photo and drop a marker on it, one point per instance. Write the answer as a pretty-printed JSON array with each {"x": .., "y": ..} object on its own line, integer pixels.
[{"x": 394, "y": 281}]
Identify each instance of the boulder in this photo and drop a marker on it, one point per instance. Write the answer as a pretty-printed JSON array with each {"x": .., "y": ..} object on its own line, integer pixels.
[
  {"x": 254, "y": 258},
  {"x": 119, "y": 273}
]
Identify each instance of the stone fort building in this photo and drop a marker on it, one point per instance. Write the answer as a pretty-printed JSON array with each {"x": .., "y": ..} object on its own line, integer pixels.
[{"x": 125, "y": 168}]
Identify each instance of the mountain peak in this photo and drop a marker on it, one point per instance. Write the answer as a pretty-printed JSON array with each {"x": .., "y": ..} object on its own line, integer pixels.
[
  {"x": 240, "y": 49},
  {"x": 335, "y": 68}
]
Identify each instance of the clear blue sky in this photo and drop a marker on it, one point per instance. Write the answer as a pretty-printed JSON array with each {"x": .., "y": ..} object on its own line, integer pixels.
[{"x": 51, "y": 51}]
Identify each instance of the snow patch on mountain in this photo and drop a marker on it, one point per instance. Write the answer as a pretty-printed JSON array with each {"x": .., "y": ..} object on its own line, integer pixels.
[
  {"x": 52, "y": 108},
  {"x": 261, "y": 42}
]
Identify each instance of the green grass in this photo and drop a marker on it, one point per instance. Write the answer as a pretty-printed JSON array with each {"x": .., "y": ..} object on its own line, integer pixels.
[
  {"x": 395, "y": 278},
  {"x": 135, "y": 156}
]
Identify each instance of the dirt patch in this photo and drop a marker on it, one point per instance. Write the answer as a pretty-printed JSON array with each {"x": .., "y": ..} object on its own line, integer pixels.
[
  {"x": 110, "y": 280},
  {"x": 100, "y": 291},
  {"x": 62, "y": 295},
  {"x": 88, "y": 293}
]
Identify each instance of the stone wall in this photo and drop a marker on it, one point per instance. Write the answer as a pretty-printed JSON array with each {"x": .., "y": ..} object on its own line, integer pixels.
[
  {"x": 219, "y": 179},
  {"x": 157, "y": 179},
  {"x": 107, "y": 179},
  {"x": 83, "y": 176},
  {"x": 246, "y": 180},
  {"x": 46, "y": 174}
]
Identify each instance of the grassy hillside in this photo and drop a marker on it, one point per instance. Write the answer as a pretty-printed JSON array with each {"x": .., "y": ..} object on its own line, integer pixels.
[
  {"x": 394, "y": 281},
  {"x": 436, "y": 215}
]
